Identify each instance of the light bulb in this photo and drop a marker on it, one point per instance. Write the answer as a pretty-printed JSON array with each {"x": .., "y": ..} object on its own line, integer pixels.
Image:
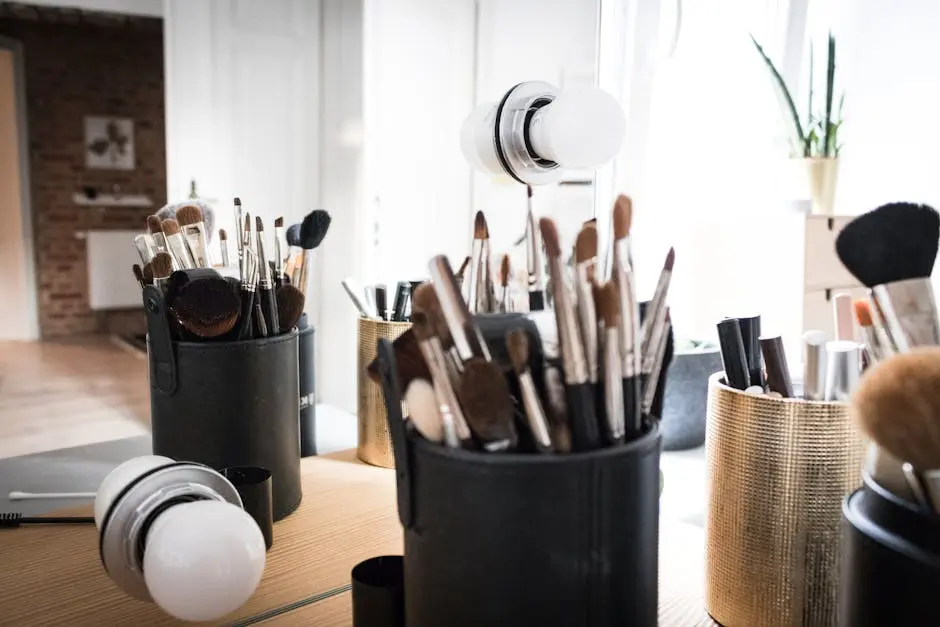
[
  {"x": 118, "y": 479},
  {"x": 476, "y": 139},
  {"x": 582, "y": 128},
  {"x": 203, "y": 559}
]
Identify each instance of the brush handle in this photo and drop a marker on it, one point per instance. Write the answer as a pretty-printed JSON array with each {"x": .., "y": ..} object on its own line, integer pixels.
[
  {"x": 401, "y": 299},
  {"x": 632, "y": 412},
  {"x": 261, "y": 327},
  {"x": 15, "y": 519},
  {"x": 381, "y": 302},
  {"x": 269, "y": 307},
  {"x": 750, "y": 336},
  {"x": 244, "y": 318},
  {"x": 537, "y": 300},
  {"x": 582, "y": 417},
  {"x": 732, "y": 354}
]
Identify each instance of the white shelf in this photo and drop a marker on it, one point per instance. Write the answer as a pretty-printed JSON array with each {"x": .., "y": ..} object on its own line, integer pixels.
[{"x": 110, "y": 200}]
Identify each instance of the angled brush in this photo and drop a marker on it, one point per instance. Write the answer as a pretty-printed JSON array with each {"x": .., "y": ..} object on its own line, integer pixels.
[
  {"x": 517, "y": 343},
  {"x": 487, "y": 405}
]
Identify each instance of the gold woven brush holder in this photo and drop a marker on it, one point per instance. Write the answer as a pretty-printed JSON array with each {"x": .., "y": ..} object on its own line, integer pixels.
[
  {"x": 375, "y": 442},
  {"x": 778, "y": 470}
]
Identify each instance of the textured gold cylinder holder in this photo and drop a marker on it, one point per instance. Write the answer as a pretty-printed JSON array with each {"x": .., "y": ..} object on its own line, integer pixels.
[
  {"x": 778, "y": 470},
  {"x": 375, "y": 443}
]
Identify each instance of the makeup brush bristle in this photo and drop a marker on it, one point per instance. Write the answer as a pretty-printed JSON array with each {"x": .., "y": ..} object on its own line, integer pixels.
[
  {"x": 585, "y": 246},
  {"x": 862, "y": 313},
  {"x": 423, "y": 410},
  {"x": 894, "y": 242},
  {"x": 153, "y": 224},
  {"x": 517, "y": 345},
  {"x": 278, "y": 222},
  {"x": 505, "y": 271},
  {"x": 409, "y": 362},
  {"x": 314, "y": 228},
  {"x": 463, "y": 268},
  {"x": 623, "y": 217},
  {"x": 290, "y": 306},
  {"x": 608, "y": 304},
  {"x": 480, "y": 229},
  {"x": 190, "y": 214},
  {"x": 897, "y": 404},
  {"x": 259, "y": 225},
  {"x": 138, "y": 274},
  {"x": 223, "y": 236},
  {"x": 424, "y": 302},
  {"x": 237, "y": 201},
  {"x": 207, "y": 307},
  {"x": 670, "y": 259},
  {"x": 293, "y": 235},
  {"x": 161, "y": 265},
  {"x": 550, "y": 237},
  {"x": 170, "y": 227},
  {"x": 147, "y": 273},
  {"x": 485, "y": 398}
]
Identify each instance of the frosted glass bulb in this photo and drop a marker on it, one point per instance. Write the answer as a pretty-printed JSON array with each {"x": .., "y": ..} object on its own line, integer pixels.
[
  {"x": 118, "y": 479},
  {"x": 203, "y": 559},
  {"x": 476, "y": 139},
  {"x": 582, "y": 128}
]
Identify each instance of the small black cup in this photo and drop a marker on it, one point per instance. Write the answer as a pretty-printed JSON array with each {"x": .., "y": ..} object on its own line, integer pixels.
[
  {"x": 254, "y": 487},
  {"x": 378, "y": 592}
]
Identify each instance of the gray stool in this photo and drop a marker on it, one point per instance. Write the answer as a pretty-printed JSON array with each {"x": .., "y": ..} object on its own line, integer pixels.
[{"x": 683, "y": 420}]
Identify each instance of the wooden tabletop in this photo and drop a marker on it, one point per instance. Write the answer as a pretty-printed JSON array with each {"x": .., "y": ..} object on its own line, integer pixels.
[{"x": 52, "y": 575}]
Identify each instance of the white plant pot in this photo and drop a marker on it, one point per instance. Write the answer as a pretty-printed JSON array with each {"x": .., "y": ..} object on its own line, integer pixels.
[{"x": 822, "y": 175}]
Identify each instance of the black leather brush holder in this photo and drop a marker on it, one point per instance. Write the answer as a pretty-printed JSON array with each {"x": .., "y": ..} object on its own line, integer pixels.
[
  {"x": 891, "y": 561},
  {"x": 525, "y": 539},
  {"x": 308, "y": 381},
  {"x": 226, "y": 404}
]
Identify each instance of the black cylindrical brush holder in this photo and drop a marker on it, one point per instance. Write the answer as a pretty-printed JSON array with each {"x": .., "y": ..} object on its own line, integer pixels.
[
  {"x": 308, "y": 382},
  {"x": 230, "y": 404},
  {"x": 525, "y": 539},
  {"x": 891, "y": 561}
]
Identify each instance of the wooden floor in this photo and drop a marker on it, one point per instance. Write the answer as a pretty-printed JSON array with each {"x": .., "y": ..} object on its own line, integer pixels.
[{"x": 60, "y": 394}]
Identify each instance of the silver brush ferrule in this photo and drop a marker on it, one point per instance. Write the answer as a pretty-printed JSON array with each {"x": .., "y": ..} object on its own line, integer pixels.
[
  {"x": 587, "y": 317},
  {"x": 843, "y": 368},
  {"x": 910, "y": 313},
  {"x": 629, "y": 312},
  {"x": 572, "y": 350},
  {"x": 613, "y": 388}
]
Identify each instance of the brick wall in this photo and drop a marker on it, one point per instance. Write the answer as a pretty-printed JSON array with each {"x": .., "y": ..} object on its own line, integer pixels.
[{"x": 79, "y": 64}]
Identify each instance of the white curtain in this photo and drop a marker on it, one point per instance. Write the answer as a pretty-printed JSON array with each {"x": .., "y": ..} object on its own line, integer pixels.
[{"x": 705, "y": 156}]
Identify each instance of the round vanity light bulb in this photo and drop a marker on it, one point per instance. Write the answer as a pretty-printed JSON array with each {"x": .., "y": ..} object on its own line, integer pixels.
[
  {"x": 117, "y": 480},
  {"x": 203, "y": 559},
  {"x": 476, "y": 139},
  {"x": 583, "y": 127}
]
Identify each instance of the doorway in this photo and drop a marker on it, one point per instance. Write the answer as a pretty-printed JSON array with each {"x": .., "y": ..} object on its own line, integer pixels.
[{"x": 18, "y": 311}]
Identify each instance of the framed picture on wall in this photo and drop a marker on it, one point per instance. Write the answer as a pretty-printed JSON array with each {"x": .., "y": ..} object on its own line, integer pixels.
[{"x": 109, "y": 143}]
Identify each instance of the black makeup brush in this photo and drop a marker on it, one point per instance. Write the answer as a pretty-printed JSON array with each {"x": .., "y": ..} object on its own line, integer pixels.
[
  {"x": 179, "y": 278},
  {"x": 622, "y": 275},
  {"x": 608, "y": 312},
  {"x": 313, "y": 230},
  {"x": 732, "y": 354},
  {"x": 381, "y": 301},
  {"x": 9, "y": 520},
  {"x": 292, "y": 235},
  {"x": 750, "y": 335},
  {"x": 246, "y": 310},
  {"x": 517, "y": 344},
  {"x": 535, "y": 266},
  {"x": 487, "y": 405},
  {"x": 239, "y": 219},
  {"x": 278, "y": 249},
  {"x": 266, "y": 295},
  {"x": 585, "y": 430},
  {"x": 290, "y": 307},
  {"x": 402, "y": 294},
  {"x": 654, "y": 320},
  {"x": 892, "y": 250},
  {"x": 207, "y": 308}
]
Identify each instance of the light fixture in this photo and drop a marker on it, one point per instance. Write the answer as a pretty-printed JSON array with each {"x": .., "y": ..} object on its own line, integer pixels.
[
  {"x": 175, "y": 533},
  {"x": 537, "y": 132}
]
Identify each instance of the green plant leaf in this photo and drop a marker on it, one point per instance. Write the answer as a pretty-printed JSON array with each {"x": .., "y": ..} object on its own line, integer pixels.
[
  {"x": 830, "y": 80},
  {"x": 798, "y": 142},
  {"x": 809, "y": 108}
]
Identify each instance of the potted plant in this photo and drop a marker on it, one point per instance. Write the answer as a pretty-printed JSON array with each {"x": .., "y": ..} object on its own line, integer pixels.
[{"x": 815, "y": 140}]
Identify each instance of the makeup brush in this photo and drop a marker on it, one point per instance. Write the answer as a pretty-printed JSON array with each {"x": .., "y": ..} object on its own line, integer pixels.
[
  {"x": 474, "y": 289},
  {"x": 535, "y": 266},
  {"x": 814, "y": 365},
  {"x": 381, "y": 300},
  {"x": 162, "y": 268},
  {"x": 423, "y": 410},
  {"x": 223, "y": 247},
  {"x": 266, "y": 294},
  {"x": 409, "y": 361},
  {"x": 630, "y": 338},
  {"x": 138, "y": 274},
  {"x": 313, "y": 230},
  {"x": 177, "y": 244},
  {"x": 653, "y": 391},
  {"x": 239, "y": 220},
  {"x": 144, "y": 247},
  {"x": 290, "y": 307},
  {"x": 402, "y": 292},
  {"x": 608, "y": 309},
  {"x": 194, "y": 230},
  {"x": 775, "y": 361},
  {"x": 750, "y": 336},
  {"x": 278, "y": 252},
  {"x": 585, "y": 431},
  {"x": 585, "y": 255},
  {"x": 505, "y": 274},
  {"x": 462, "y": 271},
  {"x": 147, "y": 273},
  {"x": 517, "y": 344},
  {"x": 427, "y": 307},
  {"x": 892, "y": 250},
  {"x": 156, "y": 232},
  {"x": 897, "y": 403},
  {"x": 653, "y": 321},
  {"x": 207, "y": 308},
  {"x": 487, "y": 405},
  {"x": 453, "y": 419},
  {"x": 248, "y": 270},
  {"x": 874, "y": 346},
  {"x": 466, "y": 336},
  {"x": 357, "y": 296},
  {"x": 732, "y": 354},
  {"x": 10, "y": 520},
  {"x": 843, "y": 317},
  {"x": 245, "y": 235}
]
